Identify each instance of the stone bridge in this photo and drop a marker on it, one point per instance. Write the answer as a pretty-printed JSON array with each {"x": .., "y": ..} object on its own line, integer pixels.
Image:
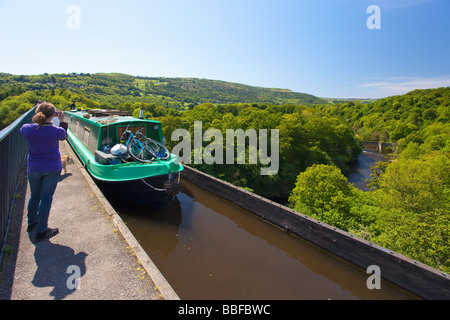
[{"x": 379, "y": 146}]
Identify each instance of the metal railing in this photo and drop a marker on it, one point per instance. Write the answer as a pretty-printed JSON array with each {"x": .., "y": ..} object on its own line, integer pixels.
[{"x": 13, "y": 148}]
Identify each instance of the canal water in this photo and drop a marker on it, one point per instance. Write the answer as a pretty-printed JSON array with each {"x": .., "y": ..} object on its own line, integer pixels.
[{"x": 208, "y": 248}]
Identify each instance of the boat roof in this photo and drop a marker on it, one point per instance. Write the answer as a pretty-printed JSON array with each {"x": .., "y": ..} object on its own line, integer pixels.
[{"x": 106, "y": 116}]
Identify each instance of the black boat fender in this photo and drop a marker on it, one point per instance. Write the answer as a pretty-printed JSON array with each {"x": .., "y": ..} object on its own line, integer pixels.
[{"x": 172, "y": 187}]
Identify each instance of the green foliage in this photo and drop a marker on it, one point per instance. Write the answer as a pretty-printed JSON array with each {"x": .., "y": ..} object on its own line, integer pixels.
[
  {"x": 13, "y": 106},
  {"x": 407, "y": 207},
  {"x": 424, "y": 237},
  {"x": 417, "y": 185},
  {"x": 407, "y": 213},
  {"x": 19, "y": 94},
  {"x": 323, "y": 193},
  {"x": 377, "y": 170},
  {"x": 117, "y": 89},
  {"x": 401, "y": 119},
  {"x": 306, "y": 138}
]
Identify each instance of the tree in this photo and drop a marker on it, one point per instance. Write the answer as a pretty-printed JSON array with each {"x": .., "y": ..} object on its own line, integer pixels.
[
  {"x": 323, "y": 193},
  {"x": 377, "y": 170},
  {"x": 417, "y": 185},
  {"x": 424, "y": 237}
]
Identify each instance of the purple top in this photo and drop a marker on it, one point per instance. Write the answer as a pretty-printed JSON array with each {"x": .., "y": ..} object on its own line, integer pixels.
[{"x": 43, "y": 147}]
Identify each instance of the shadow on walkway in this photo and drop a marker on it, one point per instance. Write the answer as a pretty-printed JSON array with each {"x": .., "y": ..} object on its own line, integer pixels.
[{"x": 59, "y": 267}]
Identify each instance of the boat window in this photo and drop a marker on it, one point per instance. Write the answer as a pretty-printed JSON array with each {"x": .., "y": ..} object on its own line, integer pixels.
[
  {"x": 133, "y": 129},
  {"x": 86, "y": 135},
  {"x": 107, "y": 139}
]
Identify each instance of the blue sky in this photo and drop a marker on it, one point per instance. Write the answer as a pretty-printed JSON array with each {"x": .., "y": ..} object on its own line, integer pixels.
[{"x": 320, "y": 47}]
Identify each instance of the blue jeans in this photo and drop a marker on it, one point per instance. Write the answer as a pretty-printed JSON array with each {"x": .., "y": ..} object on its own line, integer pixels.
[{"x": 42, "y": 187}]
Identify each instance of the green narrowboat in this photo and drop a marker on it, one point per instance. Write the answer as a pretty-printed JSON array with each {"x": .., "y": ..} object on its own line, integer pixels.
[{"x": 93, "y": 134}]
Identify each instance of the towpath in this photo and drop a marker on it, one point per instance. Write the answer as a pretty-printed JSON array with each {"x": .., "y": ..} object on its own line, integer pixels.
[{"x": 94, "y": 249}]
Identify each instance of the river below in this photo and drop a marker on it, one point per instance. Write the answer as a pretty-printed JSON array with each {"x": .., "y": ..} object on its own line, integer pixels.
[{"x": 360, "y": 170}]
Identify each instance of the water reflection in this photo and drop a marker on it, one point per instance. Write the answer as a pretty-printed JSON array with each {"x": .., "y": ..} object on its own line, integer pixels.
[
  {"x": 154, "y": 224},
  {"x": 208, "y": 248}
]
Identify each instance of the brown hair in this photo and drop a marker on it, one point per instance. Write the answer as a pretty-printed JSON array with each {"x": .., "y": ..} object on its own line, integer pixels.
[{"x": 43, "y": 112}]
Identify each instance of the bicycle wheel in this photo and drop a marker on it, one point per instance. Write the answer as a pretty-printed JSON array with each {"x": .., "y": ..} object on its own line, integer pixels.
[
  {"x": 138, "y": 152},
  {"x": 157, "y": 149}
]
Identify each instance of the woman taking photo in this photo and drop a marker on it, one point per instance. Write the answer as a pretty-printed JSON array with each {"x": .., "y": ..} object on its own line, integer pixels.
[{"x": 44, "y": 168}]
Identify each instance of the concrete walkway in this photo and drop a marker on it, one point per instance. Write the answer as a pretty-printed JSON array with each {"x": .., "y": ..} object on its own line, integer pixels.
[{"x": 93, "y": 242}]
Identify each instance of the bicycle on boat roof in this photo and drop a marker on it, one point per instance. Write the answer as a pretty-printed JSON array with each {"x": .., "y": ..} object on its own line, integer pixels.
[{"x": 142, "y": 148}]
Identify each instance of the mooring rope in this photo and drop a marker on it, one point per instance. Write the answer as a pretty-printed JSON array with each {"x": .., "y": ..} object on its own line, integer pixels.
[{"x": 158, "y": 189}]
